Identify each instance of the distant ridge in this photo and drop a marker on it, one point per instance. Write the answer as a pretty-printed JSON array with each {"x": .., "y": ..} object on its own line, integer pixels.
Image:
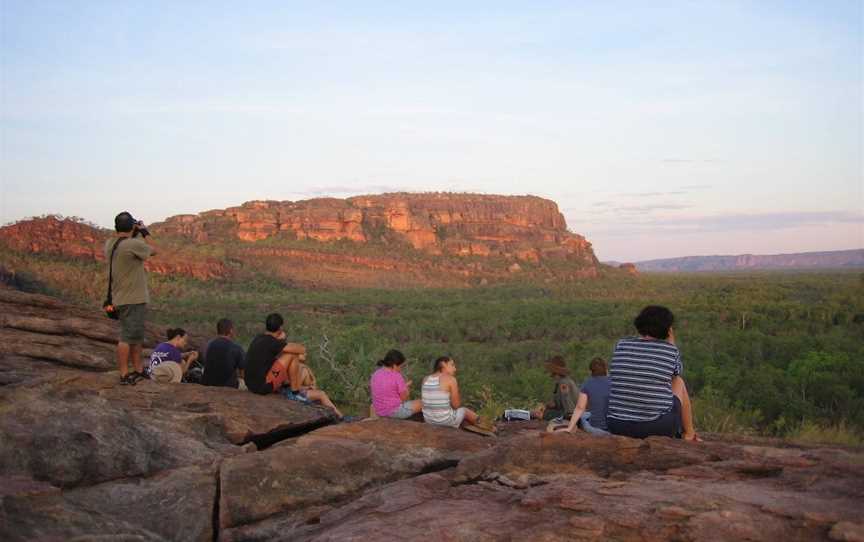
[{"x": 836, "y": 259}]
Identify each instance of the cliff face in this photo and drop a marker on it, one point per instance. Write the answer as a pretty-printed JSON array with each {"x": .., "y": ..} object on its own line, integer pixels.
[
  {"x": 521, "y": 227},
  {"x": 392, "y": 240},
  {"x": 72, "y": 238}
]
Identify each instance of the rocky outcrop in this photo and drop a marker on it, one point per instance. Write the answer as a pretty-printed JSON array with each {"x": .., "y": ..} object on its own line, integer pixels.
[
  {"x": 521, "y": 227},
  {"x": 629, "y": 268},
  {"x": 83, "y": 458},
  {"x": 837, "y": 259},
  {"x": 73, "y": 238}
]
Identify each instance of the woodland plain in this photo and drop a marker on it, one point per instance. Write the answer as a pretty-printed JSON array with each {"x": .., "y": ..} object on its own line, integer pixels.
[{"x": 771, "y": 353}]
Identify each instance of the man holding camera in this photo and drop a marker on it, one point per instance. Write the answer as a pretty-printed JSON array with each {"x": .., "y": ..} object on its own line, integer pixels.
[{"x": 129, "y": 295}]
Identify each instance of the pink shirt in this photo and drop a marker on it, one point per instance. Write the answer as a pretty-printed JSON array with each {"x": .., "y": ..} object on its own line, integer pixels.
[{"x": 387, "y": 388}]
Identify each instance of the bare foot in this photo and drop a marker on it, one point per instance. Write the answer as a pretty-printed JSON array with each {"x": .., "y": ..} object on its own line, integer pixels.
[{"x": 692, "y": 437}]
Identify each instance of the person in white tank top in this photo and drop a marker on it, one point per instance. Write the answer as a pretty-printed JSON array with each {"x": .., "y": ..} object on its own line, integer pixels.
[{"x": 440, "y": 397}]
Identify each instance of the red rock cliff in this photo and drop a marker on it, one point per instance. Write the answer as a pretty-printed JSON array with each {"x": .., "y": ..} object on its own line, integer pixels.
[
  {"x": 71, "y": 237},
  {"x": 522, "y": 227}
]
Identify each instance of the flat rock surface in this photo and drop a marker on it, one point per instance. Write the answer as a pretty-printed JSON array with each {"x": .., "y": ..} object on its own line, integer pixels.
[{"x": 82, "y": 457}]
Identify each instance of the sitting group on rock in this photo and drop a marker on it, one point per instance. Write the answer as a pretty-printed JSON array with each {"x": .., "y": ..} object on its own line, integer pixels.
[
  {"x": 439, "y": 403},
  {"x": 644, "y": 393}
]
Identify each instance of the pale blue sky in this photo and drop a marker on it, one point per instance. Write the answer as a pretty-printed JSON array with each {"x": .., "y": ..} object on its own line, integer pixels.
[{"x": 660, "y": 128}]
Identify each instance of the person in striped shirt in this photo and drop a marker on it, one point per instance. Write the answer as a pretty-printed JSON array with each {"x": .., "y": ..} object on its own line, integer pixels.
[
  {"x": 647, "y": 394},
  {"x": 441, "y": 402}
]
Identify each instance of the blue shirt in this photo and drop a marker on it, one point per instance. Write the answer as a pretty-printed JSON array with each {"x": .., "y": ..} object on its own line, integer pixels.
[
  {"x": 164, "y": 352},
  {"x": 597, "y": 390}
]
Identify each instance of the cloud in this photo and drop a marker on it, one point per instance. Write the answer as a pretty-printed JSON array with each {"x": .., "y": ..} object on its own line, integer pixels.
[
  {"x": 343, "y": 190},
  {"x": 680, "y": 161},
  {"x": 651, "y": 208},
  {"x": 655, "y": 194},
  {"x": 632, "y": 223}
]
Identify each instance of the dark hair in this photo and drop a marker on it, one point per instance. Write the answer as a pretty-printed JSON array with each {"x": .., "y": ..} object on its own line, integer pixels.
[
  {"x": 123, "y": 222},
  {"x": 436, "y": 365},
  {"x": 274, "y": 322},
  {"x": 654, "y": 321},
  {"x": 175, "y": 332},
  {"x": 224, "y": 326},
  {"x": 392, "y": 358},
  {"x": 598, "y": 367}
]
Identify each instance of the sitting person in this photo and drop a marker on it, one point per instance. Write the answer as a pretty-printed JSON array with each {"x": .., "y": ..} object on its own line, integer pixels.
[
  {"x": 302, "y": 385},
  {"x": 224, "y": 359},
  {"x": 168, "y": 362},
  {"x": 390, "y": 391},
  {"x": 647, "y": 395},
  {"x": 268, "y": 358},
  {"x": 590, "y": 411},
  {"x": 441, "y": 403},
  {"x": 564, "y": 395},
  {"x": 272, "y": 362}
]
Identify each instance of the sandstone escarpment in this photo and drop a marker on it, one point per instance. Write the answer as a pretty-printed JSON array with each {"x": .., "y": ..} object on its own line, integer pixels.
[
  {"x": 72, "y": 238},
  {"x": 391, "y": 240},
  {"x": 84, "y": 458},
  {"x": 520, "y": 227}
]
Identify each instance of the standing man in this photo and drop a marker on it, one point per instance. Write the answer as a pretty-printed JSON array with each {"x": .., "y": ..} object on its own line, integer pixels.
[
  {"x": 224, "y": 359},
  {"x": 129, "y": 291}
]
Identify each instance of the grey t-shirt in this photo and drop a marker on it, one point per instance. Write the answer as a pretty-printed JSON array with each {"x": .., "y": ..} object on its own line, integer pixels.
[
  {"x": 597, "y": 390},
  {"x": 129, "y": 277}
]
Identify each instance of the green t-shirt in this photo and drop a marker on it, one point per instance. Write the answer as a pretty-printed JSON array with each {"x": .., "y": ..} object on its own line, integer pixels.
[{"x": 130, "y": 278}]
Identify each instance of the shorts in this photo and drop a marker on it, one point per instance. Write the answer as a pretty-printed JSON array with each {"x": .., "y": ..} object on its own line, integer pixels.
[
  {"x": 299, "y": 396},
  {"x": 276, "y": 376},
  {"x": 667, "y": 425},
  {"x": 132, "y": 318},
  {"x": 454, "y": 419},
  {"x": 403, "y": 412},
  {"x": 167, "y": 372}
]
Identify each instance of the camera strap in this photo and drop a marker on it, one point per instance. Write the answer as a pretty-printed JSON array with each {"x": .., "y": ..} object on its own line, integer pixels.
[{"x": 109, "y": 300}]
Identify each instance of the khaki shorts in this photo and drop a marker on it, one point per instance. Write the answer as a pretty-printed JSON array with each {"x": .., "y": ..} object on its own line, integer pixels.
[{"x": 132, "y": 318}]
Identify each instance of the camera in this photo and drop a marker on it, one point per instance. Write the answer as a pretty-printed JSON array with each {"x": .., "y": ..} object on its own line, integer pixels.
[{"x": 140, "y": 228}]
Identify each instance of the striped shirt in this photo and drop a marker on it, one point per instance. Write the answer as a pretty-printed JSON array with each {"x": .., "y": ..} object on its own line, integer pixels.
[
  {"x": 436, "y": 403},
  {"x": 640, "y": 379}
]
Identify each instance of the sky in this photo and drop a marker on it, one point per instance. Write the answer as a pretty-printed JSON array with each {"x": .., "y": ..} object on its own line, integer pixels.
[{"x": 661, "y": 129}]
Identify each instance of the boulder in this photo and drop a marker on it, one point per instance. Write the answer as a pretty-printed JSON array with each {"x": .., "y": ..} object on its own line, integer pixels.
[
  {"x": 335, "y": 463},
  {"x": 82, "y": 457},
  {"x": 171, "y": 505}
]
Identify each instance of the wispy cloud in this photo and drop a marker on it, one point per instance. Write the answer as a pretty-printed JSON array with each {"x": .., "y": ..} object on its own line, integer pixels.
[
  {"x": 342, "y": 190},
  {"x": 655, "y": 194},
  {"x": 638, "y": 221},
  {"x": 673, "y": 161},
  {"x": 651, "y": 208}
]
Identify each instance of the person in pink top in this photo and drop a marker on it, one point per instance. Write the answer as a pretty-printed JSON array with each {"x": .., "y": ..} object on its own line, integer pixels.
[{"x": 390, "y": 392}]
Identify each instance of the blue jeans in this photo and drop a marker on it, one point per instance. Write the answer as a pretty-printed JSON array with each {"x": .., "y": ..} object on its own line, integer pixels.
[{"x": 588, "y": 428}]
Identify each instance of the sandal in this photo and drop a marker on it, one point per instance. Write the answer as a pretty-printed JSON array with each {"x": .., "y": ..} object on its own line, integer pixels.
[{"x": 136, "y": 376}]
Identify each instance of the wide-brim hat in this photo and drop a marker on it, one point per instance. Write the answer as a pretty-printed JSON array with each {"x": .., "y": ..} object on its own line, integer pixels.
[
  {"x": 556, "y": 365},
  {"x": 167, "y": 372}
]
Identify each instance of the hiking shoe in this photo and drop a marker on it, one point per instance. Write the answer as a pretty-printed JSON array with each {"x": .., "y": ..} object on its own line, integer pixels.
[
  {"x": 128, "y": 380},
  {"x": 136, "y": 376},
  {"x": 485, "y": 424},
  {"x": 479, "y": 430}
]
